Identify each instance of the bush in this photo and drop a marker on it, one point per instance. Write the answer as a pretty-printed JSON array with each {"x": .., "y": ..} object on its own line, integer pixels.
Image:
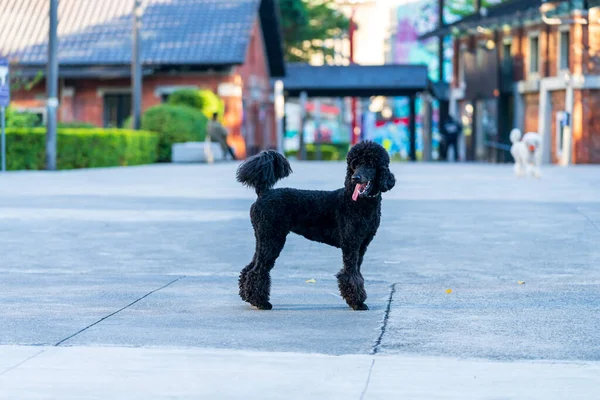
[
  {"x": 186, "y": 97},
  {"x": 76, "y": 125},
  {"x": 328, "y": 152},
  {"x": 15, "y": 119},
  {"x": 80, "y": 148},
  {"x": 203, "y": 100},
  {"x": 174, "y": 124}
]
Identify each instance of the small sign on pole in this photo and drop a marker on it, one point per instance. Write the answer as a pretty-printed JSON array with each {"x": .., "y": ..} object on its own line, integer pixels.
[{"x": 4, "y": 102}]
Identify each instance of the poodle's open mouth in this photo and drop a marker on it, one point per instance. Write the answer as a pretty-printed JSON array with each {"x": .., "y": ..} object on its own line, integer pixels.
[{"x": 360, "y": 189}]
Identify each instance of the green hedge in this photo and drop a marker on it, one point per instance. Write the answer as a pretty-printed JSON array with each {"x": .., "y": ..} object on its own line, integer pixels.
[
  {"x": 328, "y": 152},
  {"x": 76, "y": 125},
  {"x": 80, "y": 148},
  {"x": 16, "y": 119},
  {"x": 174, "y": 124},
  {"x": 203, "y": 100}
]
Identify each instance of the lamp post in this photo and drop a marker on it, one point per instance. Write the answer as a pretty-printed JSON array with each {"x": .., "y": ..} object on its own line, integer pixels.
[
  {"x": 355, "y": 130},
  {"x": 136, "y": 66},
  {"x": 52, "y": 87},
  {"x": 354, "y": 133}
]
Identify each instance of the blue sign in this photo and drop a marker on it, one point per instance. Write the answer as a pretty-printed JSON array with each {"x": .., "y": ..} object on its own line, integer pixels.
[{"x": 4, "y": 83}]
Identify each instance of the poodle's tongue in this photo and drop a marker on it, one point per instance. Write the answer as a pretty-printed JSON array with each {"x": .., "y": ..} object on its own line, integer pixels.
[{"x": 357, "y": 190}]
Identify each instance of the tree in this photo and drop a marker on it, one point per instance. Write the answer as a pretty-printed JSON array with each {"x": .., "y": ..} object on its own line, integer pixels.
[
  {"x": 21, "y": 81},
  {"x": 462, "y": 8},
  {"x": 307, "y": 24}
]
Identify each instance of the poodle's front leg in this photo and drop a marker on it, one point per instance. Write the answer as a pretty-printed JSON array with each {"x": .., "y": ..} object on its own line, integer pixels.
[{"x": 350, "y": 280}]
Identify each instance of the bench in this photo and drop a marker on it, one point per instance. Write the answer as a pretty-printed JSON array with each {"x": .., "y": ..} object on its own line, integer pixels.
[{"x": 194, "y": 152}]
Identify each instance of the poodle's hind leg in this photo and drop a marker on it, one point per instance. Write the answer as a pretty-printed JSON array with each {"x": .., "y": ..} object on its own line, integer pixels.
[
  {"x": 351, "y": 281},
  {"x": 257, "y": 288}
]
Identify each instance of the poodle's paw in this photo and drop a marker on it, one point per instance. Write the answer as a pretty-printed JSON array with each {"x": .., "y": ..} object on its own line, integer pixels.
[
  {"x": 359, "y": 307},
  {"x": 264, "y": 306}
]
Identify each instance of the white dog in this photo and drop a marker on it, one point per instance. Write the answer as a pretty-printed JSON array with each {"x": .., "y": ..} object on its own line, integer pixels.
[{"x": 527, "y": 152}]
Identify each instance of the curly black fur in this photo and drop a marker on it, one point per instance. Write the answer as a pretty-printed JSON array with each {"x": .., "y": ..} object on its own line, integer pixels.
[
  {"x": 330, "y": 217},
  {"x": 263, "y": 170}
]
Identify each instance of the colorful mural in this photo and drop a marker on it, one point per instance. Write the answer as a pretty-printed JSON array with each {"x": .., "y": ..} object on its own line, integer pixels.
[{"x": 413, "y": 19}]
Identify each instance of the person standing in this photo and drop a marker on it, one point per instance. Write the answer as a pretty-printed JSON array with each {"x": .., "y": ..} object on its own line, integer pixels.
[
  {"x": 451, "y": 131},
  {"x": 216, "y": 132}
]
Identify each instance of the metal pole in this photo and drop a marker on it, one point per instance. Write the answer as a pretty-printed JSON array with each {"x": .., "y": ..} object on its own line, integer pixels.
[
  {"x": 301, "y": 146},
  {"x": 136, "y": 67},
  {"x": 441, "y": 24},
  {"x": 412, "y": 128},
  {"x": 426, "y": 116},
  {"x": 354, "y": 127},
  {"x": 52, "y": 88},
  {"x": 318, "y": 154},
  {"x": 3, "y": 141}
]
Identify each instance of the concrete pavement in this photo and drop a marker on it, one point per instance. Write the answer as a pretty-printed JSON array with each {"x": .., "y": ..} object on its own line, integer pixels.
[
  {"x": 192, "y": 373},
  {"x": 141, "y": 264}
]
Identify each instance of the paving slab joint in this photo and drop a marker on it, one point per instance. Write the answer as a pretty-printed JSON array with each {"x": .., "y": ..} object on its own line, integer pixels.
[
  {"x": 118, "y": 311},
  {"x": 386, "y": 316}
]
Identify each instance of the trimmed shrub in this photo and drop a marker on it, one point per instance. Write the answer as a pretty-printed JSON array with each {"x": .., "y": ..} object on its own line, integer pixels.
[
  {"x": 174, "y": 124},
  {"x": 328, "y": 152},
  {"x": 186, "y": 97},
  {"x": 204, "y": 100},
  {"x": 16, "y": 119},
  {"x": 80, "y": 148},
  {"x": 76, "y": 125}
]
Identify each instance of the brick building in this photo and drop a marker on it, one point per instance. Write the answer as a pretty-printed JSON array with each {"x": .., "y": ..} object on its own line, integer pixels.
[
  {"x": 529, "y": 64},
  {"x": 232, "y": 47}
]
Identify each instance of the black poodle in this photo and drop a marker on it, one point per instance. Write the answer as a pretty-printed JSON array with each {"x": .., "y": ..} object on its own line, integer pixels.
[{"x": 346, "y": 218}]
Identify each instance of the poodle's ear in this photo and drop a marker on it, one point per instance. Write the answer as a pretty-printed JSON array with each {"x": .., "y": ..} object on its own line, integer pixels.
[{"x": 386, "y": 180}]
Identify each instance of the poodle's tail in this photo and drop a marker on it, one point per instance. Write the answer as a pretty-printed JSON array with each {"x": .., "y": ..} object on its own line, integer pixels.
[
  {"x": 515, "y": 135},
  {"x": 263, "y": 170}
]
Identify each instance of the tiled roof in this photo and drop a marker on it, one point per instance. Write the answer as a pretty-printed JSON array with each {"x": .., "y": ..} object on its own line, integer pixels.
[{"x": 92, "y": 32}]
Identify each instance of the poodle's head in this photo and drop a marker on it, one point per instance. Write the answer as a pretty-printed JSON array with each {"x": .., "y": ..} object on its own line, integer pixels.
[{"x": 368, "y": 173}]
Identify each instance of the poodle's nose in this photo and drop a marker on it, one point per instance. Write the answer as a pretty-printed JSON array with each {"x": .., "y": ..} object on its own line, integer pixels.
[{"x": 356, "y": 178}]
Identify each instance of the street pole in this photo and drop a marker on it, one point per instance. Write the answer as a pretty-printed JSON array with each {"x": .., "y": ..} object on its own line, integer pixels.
[
  {"x": 3, "y": 115},
  {"x": 301, "y": 146},
  {"x": 354, "y": 126},
  {"x": 318, "y": 155},
  {"x": 52, "y": 88},
  {"x": 4, "y": 102},
  {"x": 136, "y": 67}
]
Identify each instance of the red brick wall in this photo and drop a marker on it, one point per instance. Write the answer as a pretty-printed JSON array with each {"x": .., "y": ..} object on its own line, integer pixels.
[
  {"x": 592, "y": 47},
  {"x": 532, "y": 107},
  {"x": 554, "y": 50},
  {"x": 517, "y": 55},
  {"x": 557, "y": 100},
  {"x": 588, "y": 148},
  {"x": 259, "y": 126}
]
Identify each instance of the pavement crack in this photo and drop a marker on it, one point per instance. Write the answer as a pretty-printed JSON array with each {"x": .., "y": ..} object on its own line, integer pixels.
[
  {"x": 21, "y": 363},
  {"x": 386, "y": 317},
  {"x": 118, "y": 311},
  {"x": 364, "y": 392},
  {"x": 591, "y": 221}
]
